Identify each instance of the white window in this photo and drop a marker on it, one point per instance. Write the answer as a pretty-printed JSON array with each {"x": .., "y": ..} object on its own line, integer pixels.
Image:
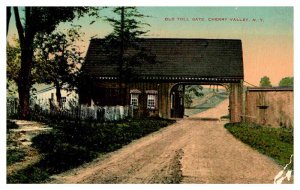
[
  {"x": 134, "y": 100},
  {"x": 151, "y": 101}
]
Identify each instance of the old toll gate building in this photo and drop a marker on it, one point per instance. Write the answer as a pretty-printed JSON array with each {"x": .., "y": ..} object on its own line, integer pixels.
[{"x": 158, "y": 89}]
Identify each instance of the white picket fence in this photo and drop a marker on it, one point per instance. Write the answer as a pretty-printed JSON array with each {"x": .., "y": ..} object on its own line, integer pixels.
[
  {"x": 82, "y": 112},
  {"x": 106, "y": 113},
  {"x": 12, "y": 106}
]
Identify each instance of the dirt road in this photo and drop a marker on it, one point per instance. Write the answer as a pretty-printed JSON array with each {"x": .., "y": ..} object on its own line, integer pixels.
[{"x": 193, "y": 150}]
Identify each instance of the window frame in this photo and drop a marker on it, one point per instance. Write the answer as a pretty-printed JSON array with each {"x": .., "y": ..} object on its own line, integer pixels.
[
  {"x": 134, "y": 96},
  {"x": 153, "y": 99}
]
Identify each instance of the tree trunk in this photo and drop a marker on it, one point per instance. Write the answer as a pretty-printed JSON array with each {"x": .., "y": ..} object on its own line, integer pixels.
[
  {"x": 8, "y": 15},
  {"x": 24, "y": 79},
  {"x": 26, "y": 43},
  {"x": 24, "y": 101},
  {"x": 58, "y": 95}
]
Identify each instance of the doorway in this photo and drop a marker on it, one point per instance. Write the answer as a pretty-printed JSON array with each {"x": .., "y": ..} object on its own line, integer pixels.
[{"x": 177, "y": 101}]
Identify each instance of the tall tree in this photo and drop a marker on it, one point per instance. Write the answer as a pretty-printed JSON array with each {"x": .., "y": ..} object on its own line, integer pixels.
[
  {"x": 128, "y": 28},
  {"x": 287, "y": 81},
  {"x": 36, "y": 20},
  {"x": 8, "y": 15},
  {"x": 123, "y": 47},
  {"x": 265, "y": 82},
  {"x": 58, "y": 60}
]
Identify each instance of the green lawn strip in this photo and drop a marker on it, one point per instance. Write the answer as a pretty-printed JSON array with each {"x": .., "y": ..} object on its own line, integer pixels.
[
  {"x": 276, "y": 143},
  {"x": 72, "y": 144}
]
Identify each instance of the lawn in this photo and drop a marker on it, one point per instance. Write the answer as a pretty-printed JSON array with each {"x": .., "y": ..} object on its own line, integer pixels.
[
  {"x": 276, "y": 143},
  {"x": 71, "y": 144},
  {"x": 13, "y": 155}
]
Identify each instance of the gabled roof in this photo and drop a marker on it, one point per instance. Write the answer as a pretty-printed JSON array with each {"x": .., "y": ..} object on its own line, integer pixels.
[{"x": 178, "y": 60}]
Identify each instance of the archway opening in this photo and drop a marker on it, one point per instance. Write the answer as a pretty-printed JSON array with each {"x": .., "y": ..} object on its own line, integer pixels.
[
  {"x": 200, "y": 101},
  {"x": 201, "y": 98}
]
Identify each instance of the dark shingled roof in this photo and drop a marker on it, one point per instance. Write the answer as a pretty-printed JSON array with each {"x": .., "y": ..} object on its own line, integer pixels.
[{"x": 190, "y": 59}]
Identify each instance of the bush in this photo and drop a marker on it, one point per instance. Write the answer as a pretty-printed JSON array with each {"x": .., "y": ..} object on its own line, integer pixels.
[{"x": 274, "y": 142}]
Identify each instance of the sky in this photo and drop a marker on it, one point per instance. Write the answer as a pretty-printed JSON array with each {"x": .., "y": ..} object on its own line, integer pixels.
[{"x": 266, "y": 33}]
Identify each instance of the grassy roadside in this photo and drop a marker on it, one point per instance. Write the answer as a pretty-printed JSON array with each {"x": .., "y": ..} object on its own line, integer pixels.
[
  {"x": 13, "y": 155},
  {"x": 276, "y": 143},
  {"x": 69, "y": 145},
  {"x": 208, "y": 104}
]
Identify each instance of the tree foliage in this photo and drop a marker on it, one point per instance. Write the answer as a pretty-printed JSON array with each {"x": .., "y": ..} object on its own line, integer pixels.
[
  {"x": 13, "y": 61},
  {"x": 265, "y": 82},
  {"x": 287, "y": 81},
  {"x": 58, "y": 59},
  {"x": 38, "y": 20},
  {"x": 128, "y": 24},
  {"x": 190, "y": 92},
  {"x": 127, "y": 31}
]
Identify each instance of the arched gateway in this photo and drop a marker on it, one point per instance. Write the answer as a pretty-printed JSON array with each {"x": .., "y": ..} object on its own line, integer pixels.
[{"x": 177, "y": 61}]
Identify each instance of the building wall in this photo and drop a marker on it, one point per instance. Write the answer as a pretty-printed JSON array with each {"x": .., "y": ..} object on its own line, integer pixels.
[
  {"x": 42, "y": 98},
  {"x": 274, "y": 108},
  {"x": 163, "y": 99}
]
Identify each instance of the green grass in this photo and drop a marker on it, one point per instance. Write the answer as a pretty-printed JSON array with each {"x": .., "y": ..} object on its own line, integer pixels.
[
  {"x": 212, "y": 102},
  {"x": 32, "y": 174},
  {"x": 14, "y": 156},
  {"x": 72, "y": 144},
  {"x": 276, "y": 143}
]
